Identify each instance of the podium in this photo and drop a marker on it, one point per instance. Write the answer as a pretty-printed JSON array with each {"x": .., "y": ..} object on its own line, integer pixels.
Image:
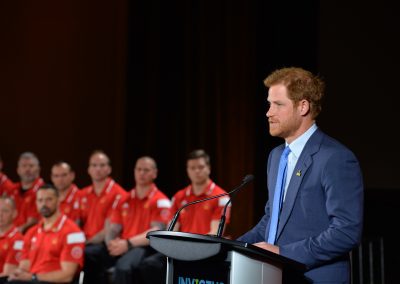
[{"x": 206, "y": 259}]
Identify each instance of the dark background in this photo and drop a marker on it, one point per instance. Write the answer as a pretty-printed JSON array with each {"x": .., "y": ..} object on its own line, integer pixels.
[{"x": 145, "y": 78}]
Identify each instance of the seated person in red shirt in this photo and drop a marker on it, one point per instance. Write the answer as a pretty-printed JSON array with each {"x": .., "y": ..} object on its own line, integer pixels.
[
  {"x": 98, "y": 199},
  {"x": 63, "y": 176},
  {"x": 53, "y": 249},
  {"x": 5, "y": 183},
  {"x": 201, "y": 218},
  {"x": 145, "y": 209},
  {"x": 24, "y": 192},
  {"x": 11, "y": 240},
  {"x": 96, "y": 204}
]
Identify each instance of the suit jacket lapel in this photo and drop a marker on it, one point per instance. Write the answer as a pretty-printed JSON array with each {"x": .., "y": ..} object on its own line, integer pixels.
[{"x": 300, "y": 170}]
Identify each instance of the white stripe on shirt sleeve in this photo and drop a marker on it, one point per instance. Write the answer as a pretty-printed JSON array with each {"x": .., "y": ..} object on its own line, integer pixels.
[
  {"x": 75, "y": 238},
  {"x": 163, "y": 203},
  {"x": 222, "y": 201}
]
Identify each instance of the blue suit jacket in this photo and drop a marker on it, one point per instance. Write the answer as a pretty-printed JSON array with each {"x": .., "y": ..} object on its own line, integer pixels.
[{"x": 322, "y": 216}]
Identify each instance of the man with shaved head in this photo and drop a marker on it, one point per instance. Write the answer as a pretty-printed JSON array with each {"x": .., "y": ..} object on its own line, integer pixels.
[{"x": 96, "y": 204}]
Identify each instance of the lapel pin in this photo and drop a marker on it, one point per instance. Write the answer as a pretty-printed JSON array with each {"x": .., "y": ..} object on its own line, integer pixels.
[{"x": 298, "y": 173}]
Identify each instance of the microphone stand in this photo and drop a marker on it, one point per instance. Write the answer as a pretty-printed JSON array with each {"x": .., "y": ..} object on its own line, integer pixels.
[{"x": 245, "y": 181}]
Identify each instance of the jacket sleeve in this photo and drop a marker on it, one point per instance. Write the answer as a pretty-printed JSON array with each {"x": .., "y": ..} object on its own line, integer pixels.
[{"x": 342, "y": 185}]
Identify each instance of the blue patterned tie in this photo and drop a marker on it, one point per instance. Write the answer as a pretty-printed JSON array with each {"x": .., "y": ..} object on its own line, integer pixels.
[{"x": 278, "y": 195}]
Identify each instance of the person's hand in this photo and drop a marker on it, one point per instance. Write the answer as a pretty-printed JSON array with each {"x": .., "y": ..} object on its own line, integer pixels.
[
  {"x": 19, "y": 274},
  {"x": 267, "y": 246},
  {"x": 117, "y": 247}
]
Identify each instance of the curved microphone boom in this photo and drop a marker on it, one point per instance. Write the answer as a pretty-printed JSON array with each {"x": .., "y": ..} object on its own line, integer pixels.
[
  {"x": 233, "y": 193},
  {"x": 245, "y": 181}
]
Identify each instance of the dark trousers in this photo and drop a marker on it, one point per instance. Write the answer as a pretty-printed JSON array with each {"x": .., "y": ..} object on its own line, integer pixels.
[
  {"x": 153, "y": 269},
  {"x": 97, "y": 262},
  {"x": 124, "y": 268}
]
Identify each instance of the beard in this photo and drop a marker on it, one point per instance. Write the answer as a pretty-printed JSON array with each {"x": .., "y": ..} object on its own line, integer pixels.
[{"x": 47, "y": 212}]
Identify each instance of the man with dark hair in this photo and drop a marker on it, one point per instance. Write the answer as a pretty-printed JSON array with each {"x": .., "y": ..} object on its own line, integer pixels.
[
  {"x": 53, "y": 249},
  {"x": 24, "y": 192},
  {"x": 5, "y": 183},
  {"x": 62, "y": 176},
  {"x": 202, "y": 218}
]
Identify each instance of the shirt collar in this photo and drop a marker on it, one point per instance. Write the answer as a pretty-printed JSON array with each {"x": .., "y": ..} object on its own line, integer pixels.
[
  {"x": 297, "y": 145},
  {"x": 58, "y": 224}
]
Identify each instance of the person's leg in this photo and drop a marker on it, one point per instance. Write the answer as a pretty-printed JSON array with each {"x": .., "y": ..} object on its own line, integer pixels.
[
  {"x": 126, "y": 267},
  {"x": 96, "y": 262},
  {"x": 153, "y": 269}
]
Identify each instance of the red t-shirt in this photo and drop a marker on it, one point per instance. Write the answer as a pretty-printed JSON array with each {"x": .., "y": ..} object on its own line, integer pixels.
[
  {"x": 46, "y": 250},
  {"x": 197, "y": 218},
  {"x": 11, "y": 243},
  {"x": 25, "y": 202},
  {"x": 70, "y": 205},
  {"x": 5, "y": 184},
  {"x": 95, "y": 209},
  {"x": 136, "y": 215}
]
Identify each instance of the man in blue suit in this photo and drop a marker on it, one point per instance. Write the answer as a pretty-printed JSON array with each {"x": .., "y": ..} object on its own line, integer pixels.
[{"x": 321, "y": 209}]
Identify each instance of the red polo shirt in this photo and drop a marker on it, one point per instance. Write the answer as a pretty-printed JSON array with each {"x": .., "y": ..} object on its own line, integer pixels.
[
  {"x": 11, "y": 243},
  {"x": 46, "y": 249},
  {"x": 70, "y": 205},
  {"x": 197, "y": 218},
  {"x": 95, "y": 209},
  {"x": 25, "y": 202},
  {"x": 5, "y": 184},
  {"x": 136, "y": 215}
]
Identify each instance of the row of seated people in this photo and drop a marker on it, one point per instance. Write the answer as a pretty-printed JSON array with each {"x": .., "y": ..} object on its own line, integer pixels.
[{"x": 49, "y": 233}]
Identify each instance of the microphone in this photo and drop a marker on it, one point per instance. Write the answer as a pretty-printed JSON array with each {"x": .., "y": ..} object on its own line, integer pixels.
[
  {"x": 245, "y": 181},
  {"x": 221, "y": 225}
]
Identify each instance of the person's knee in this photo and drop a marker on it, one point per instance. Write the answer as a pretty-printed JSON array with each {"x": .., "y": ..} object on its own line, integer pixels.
[
  {"x": 95, "y": 252},
  {"x": 123, "y": 265}
]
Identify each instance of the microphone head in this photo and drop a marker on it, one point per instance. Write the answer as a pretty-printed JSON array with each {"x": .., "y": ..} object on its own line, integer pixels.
[{"x": 248, "y": 178}]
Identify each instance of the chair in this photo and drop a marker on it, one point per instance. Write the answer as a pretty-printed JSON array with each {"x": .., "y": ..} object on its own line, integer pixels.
[{"x": 368, "y": 262}]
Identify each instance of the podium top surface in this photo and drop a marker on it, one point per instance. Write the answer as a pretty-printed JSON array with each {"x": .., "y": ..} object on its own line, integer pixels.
[{"x": 211, "y": 240}]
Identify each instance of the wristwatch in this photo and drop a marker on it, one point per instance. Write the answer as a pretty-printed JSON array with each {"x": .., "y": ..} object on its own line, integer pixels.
[
  {"x": 34, "y": 278},
  {"x": 130, "y": 246}
]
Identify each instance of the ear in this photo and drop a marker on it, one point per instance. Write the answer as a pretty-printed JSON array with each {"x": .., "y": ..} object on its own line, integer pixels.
[{"x": 304, "y": 107}]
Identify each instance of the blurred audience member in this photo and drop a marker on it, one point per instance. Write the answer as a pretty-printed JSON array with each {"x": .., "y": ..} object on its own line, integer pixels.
[
  {"x": 53, "y": 249},
  {"x": 11, "y": 240},
  {"x": 63, "y": 178},
  {"x": 24, "y": 192}
]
